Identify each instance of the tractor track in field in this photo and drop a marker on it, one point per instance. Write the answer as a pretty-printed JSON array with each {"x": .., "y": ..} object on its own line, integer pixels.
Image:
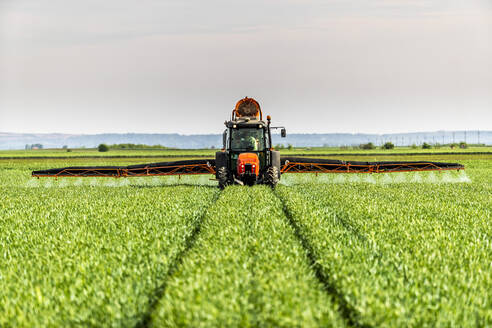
[
  {"x": 254, "y": 297},
  {"x": 189, "y": 243},
  {"x": 347, "y": 311}
]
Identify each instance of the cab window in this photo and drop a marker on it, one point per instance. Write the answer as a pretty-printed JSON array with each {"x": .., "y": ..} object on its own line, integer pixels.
[{"x": 247, "y": 139}]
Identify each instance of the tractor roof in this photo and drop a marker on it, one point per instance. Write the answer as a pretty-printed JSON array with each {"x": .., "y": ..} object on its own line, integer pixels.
[{"x": 244, "y": 122}]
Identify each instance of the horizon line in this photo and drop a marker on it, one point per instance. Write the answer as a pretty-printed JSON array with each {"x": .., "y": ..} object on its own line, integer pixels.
[{"x": 198, "y": 134}]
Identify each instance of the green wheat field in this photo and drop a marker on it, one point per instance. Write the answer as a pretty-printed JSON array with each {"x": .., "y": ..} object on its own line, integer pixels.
[{"x": 389, "y": 250}]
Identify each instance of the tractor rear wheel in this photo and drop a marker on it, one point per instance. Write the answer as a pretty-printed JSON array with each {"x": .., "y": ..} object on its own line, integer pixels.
[
  {"x": 223, "y": 177},
  {"x": 271, "y": 176}
]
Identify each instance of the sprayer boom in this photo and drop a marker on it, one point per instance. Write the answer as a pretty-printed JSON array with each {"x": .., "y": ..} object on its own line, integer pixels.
[{"x": 247, "y": 157}]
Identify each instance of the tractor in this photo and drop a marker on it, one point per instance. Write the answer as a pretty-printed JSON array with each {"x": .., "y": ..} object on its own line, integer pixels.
[{"x": 247, "y": 156}]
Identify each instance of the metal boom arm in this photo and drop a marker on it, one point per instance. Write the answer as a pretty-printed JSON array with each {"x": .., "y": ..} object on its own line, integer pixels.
[
  {"x": 153, "y": 169},
  {"x": 207, "y": 166},
  {"x": 318, "y": 165}
]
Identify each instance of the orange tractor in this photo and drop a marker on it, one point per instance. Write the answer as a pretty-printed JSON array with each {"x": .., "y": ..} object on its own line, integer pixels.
[{"x": 247, "y": 158}]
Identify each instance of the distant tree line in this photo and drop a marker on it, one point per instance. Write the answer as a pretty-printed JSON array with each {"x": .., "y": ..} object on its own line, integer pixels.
[
  {"x": 34, "y": 146},
  {"x": 425, "y": 145},
  {"x": 282, "y": 146},
  {"x": 129, "y": 146}
]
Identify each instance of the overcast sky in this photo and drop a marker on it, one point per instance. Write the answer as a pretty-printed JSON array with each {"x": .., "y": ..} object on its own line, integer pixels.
[{"x": 163, "y": 66}]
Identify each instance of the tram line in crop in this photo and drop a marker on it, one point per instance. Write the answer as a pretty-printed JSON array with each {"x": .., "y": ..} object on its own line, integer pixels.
[
  {"x": 189, "y": 243},
  {"x": 347, "y": 311}
]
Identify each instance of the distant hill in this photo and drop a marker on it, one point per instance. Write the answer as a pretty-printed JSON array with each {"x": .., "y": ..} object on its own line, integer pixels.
[{"x": 57, "y": 140}]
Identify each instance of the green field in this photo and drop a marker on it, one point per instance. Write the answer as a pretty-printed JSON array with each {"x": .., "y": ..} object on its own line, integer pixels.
[
  {"x": 393, "y": 250},
  {"x": 154, "y": 153}
]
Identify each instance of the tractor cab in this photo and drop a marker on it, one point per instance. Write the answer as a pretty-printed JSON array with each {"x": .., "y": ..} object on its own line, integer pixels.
[{"x": 248, "y": 139}]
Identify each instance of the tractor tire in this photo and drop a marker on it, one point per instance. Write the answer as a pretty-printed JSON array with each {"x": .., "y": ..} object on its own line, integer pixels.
[
  {"x": 223, "y": 177},
  {"x": 271, "y": 176}
]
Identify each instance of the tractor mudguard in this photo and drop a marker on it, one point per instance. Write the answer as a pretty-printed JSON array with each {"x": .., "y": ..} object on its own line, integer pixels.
[
  {"x": 220, "y": 160},
  {"x": 276, "y": 160}
]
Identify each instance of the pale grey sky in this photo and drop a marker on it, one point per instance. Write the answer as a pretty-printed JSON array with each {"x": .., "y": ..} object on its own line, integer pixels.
[{"x": 179, "y": 66}]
